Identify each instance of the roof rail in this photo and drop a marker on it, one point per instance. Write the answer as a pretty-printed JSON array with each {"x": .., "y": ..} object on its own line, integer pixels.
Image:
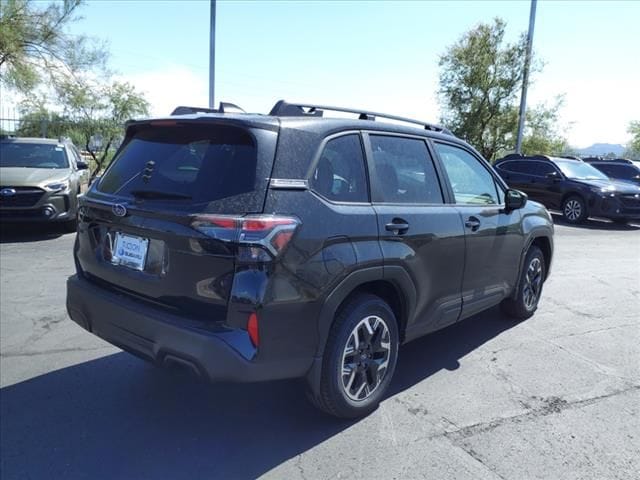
[
  {"x": 605, "y": 159},
  {"x": 225, "y": 107},
  {"x": 516, "y": 156},
  {"x": 284, "y": 109}
]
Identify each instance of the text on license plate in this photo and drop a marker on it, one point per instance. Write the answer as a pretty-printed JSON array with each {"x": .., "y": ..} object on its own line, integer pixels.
[{"x": 130, "y": 251}]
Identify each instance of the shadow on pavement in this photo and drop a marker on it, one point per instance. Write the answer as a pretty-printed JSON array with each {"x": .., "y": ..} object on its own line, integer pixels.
[
  {"x": 117, "y": 417},
  {"x": 597, "y": 224},
  {"x": 29, "y": 232}
]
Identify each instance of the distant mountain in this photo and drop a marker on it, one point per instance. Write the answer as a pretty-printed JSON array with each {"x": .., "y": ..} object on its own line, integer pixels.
[{"x": 602, "y": 149}]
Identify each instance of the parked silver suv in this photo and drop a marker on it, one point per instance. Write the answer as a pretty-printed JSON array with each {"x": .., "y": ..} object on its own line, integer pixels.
[{"x": 40, "y": 180}]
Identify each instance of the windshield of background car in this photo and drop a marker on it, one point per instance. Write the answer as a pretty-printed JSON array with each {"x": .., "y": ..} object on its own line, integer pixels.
[
  {"x": 580, "y": 170},
  {"x": 187, "y": 164},
  {"x": 32, "y": 155}
]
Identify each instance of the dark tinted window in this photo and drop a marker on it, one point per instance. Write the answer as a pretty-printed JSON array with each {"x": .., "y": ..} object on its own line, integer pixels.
[
  {"x": 470, "y": 180},
  {"x": 618, "y": 171},
  {"x": 340, "y": 174},
  {"x": 32, "y": 155},
  {"x": 544, "y": 168},
  {"x": 192, "y": 162},
  {"x": 518, "y": 167},
  {"x": 404, "y": 170}
]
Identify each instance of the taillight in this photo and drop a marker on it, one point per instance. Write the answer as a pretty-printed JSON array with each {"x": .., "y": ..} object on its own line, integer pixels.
[
  {"x": 256, "y": 234},
  {"x": 252, "y": 329}
]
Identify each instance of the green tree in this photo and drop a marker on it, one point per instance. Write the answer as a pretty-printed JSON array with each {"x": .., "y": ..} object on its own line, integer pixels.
[
  {"x": 99, "y": 111},
  {"x": 480, "y": 78},
  {"x": 35, "y": 46},
  {"x": 40, "y": 122},
  {"x": 541, "y": 134},
  {"x": 633, "y": 147}
]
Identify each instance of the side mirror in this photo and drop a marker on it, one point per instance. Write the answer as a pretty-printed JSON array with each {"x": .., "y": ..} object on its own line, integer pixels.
[
  {"x": 515, "y": 199},
  {"x": 552, "y": 176},
  {"x": 82, "y": 165}
]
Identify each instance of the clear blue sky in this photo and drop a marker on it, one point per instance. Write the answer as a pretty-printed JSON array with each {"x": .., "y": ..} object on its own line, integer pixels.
[{"x": 376, "y": 55}]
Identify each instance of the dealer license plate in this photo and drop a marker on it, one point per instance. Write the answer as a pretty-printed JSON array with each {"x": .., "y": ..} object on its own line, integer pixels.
[{"x": 130, "y": 251}]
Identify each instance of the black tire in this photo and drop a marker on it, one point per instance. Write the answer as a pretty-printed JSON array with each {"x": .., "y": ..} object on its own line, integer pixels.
[
  {"x": 522, "y": 305},
  {"x": 333, "y": 397},
  {"x": 574, "y": 209}
]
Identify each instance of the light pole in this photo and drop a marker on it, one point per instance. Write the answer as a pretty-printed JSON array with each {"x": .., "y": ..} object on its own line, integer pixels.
[
  {"x": 212, "y": 54},
  {"x": 525, "y": 76}
]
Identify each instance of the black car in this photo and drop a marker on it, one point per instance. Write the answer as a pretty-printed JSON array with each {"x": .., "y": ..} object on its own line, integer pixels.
[
  {"x": 618, "y": 169},
  {"x": 574, "y": 187},
  {"x": 252, "y": 247}
]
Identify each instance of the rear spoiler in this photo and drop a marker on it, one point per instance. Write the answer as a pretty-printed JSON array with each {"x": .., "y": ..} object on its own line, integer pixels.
[{"x": 224, "y": 107}]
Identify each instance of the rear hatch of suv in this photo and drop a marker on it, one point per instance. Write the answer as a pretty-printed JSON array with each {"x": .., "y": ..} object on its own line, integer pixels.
[{"x": 161, "y": 224}]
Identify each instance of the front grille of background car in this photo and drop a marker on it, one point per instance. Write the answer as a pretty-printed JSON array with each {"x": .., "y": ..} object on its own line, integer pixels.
[
  {"x": 24, "y": 197},
  {"x": 630, "y": 201}
]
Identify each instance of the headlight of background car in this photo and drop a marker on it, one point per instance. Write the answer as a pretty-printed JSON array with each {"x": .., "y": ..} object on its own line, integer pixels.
[
  {"x": 604, "y": 191},
  {"x": 58, "y": 186}
]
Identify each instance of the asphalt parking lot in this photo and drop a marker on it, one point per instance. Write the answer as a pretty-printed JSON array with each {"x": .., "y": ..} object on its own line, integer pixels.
[{"x": 557, "y": 396}]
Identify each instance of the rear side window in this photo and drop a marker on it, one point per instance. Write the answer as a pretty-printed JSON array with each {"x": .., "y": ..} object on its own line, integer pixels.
[
  {"x": 618, "y": 171},
  {"x": 471, "y": 182},
  {"x": 188, "y": 163},
  {"x": 340, "y": 174},
  {"x": 518, "y": 167},
  {"x": 404, "y": 170}
]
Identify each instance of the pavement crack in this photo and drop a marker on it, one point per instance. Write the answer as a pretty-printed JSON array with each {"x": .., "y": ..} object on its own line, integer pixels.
[
  {"x": 573, "y": 310},
  {"x": 550, "y": 405},
  {"x": 597, "y": 330},
  {"x": 55, "y": 350},
  {"x": 301, "y": 468}
]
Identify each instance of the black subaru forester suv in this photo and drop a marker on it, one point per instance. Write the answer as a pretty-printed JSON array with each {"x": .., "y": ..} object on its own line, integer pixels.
[{"x": 252, "y": 247}]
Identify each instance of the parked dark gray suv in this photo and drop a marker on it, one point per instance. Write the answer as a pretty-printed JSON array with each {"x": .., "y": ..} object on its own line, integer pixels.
[{"x": 256, "y": 247}]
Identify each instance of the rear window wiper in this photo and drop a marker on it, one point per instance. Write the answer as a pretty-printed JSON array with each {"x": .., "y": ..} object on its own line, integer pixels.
[{"x": 152, "y": 194}]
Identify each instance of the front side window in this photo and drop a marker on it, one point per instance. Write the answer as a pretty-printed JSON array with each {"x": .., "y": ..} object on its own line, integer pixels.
[
  {"x": 471, "y": 182},
  {"x": 544, "y": 168},
  {"x": 404, "y": 170},
  {"x": 340, "y": 174}
]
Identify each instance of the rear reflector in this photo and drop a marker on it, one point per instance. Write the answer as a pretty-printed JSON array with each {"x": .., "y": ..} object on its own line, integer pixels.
[
  {"x": 252, "y": 329},
  {"x": 268, "y": 232}
]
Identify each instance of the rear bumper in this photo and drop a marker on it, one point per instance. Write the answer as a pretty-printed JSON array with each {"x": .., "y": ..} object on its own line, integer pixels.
[{"x": 164, "y": 338}]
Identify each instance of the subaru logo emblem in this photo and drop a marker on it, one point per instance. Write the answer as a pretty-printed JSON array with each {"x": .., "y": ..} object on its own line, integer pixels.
[
  {"x": 119, "y": 210},
  {"x": 7, "y": 192}
]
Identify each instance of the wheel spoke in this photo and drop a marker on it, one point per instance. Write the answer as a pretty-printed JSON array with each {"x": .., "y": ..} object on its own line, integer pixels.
[
  {"x": 360, "y": 389},
  {"x": 352, "y": 377},
  {"x": 365, "y": 358}
]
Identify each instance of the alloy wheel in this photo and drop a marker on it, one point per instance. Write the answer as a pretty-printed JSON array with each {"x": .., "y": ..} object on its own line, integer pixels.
[
  {"x": 365, "y": 358},
  {"x": 532, "y": 284},
  {"x": 573, "y": 210}
]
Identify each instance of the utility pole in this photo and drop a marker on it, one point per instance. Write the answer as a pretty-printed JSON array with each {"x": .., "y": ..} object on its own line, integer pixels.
[
  {"x": 525, "y": 76},
  {"x": 212, "y": 54}
]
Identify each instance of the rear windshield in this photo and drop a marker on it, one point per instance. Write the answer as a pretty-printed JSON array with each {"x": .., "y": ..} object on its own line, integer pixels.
[
  {"x": 192, "y": 164},
  {"x": 32, "y": 155}
]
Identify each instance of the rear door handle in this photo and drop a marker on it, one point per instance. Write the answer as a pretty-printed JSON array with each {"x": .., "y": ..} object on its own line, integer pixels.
[
  {"x": 472, "y": 223},
  {"x": 398, "y": 227}
]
